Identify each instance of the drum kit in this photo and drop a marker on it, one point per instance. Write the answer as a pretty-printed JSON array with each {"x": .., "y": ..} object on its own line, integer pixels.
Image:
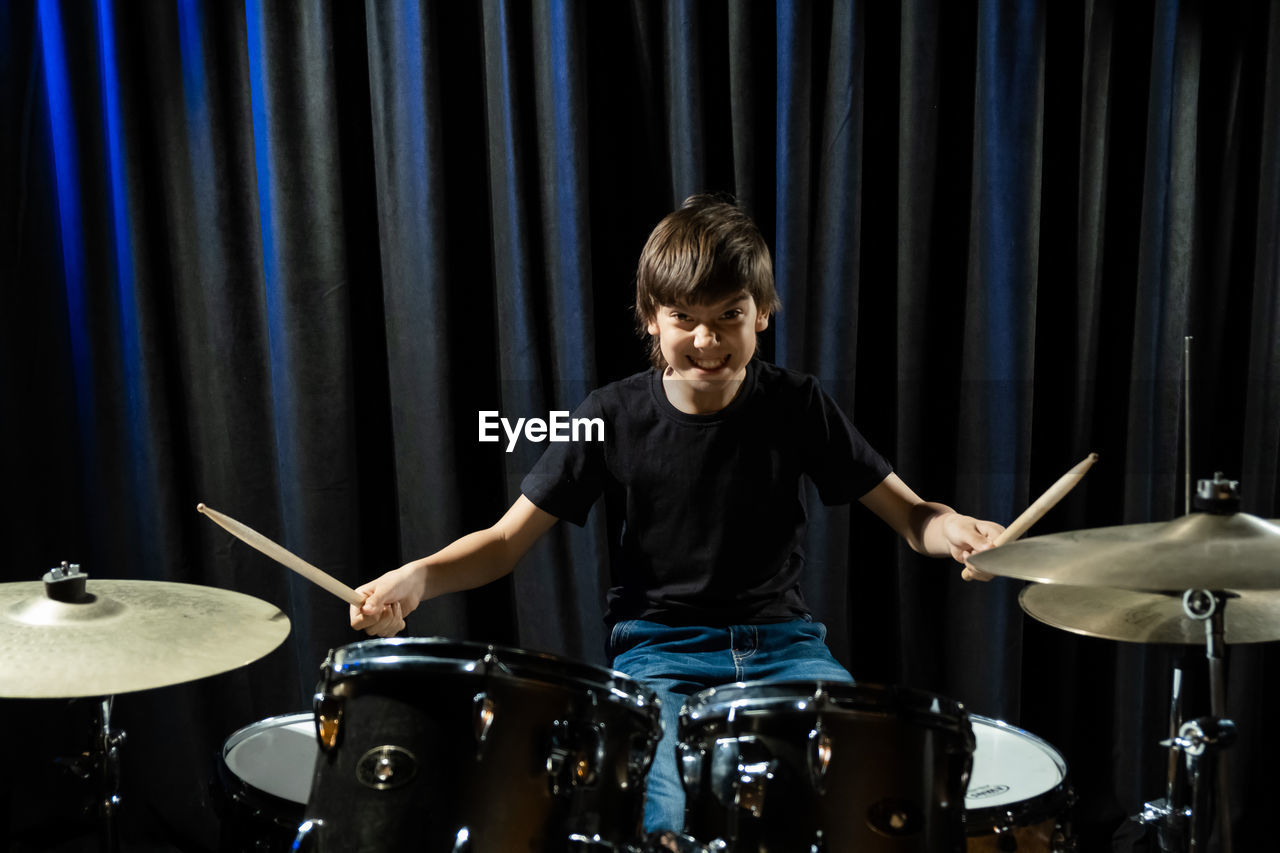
[{"x": 439, "y": 744}]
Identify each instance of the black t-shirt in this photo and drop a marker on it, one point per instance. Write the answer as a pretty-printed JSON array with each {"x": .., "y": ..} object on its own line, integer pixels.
[{"x": 707, "y": 511}]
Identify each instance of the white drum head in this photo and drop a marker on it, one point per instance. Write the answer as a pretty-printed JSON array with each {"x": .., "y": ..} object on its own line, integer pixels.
[
  {"x": 276, "y": 755},
  {"x": 1010, "y": 766}
]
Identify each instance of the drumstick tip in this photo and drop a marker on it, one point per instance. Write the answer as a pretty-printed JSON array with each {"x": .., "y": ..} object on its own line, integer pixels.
[{"x": 200, "y": 508}]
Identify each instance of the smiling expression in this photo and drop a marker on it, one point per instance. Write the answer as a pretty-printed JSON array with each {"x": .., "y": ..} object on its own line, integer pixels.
[{"x": 707, "y": 348}]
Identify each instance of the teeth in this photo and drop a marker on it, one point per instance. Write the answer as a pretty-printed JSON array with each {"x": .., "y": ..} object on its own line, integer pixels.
[{"x": 708, "y": 363}]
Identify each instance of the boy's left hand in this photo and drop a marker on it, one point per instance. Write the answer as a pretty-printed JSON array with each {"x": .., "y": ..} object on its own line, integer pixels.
[{"x": 967, "y": 536}]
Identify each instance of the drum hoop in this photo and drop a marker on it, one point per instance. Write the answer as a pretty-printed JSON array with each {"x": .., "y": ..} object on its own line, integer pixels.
[
  {"x": 1053, "y": 752},
  {"x": 239, "y": 735},
  {"x": 358, "y": 658},
  {"x": 1028, "y": 812},
  {"x": 1041, "y": 807},
  {"x": 715, "y": 703}
]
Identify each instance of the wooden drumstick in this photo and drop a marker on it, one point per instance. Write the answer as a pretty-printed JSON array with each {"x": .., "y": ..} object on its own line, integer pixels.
[
  {"x": 285, "y": 558},
  {"x": 1045, "y": 502}
]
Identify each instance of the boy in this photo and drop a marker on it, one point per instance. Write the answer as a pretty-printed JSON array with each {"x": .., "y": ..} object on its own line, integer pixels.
[{"x": 704, "y": 456}]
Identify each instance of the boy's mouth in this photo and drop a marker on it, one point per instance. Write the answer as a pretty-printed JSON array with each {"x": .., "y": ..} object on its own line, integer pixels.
[{"x": 709, "y": 363}]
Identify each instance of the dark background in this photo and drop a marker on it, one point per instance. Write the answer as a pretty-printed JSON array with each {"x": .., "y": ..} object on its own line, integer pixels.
[{"x": 277, "y": 256}]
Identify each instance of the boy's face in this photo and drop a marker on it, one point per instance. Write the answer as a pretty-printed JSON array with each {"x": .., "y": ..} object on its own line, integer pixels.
[{"x": 709, "y": 345}]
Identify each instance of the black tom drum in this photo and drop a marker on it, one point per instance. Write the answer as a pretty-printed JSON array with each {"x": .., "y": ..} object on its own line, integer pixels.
[
  {"x": 812, "y": 766},
  {"x": 435, "y": 744}
]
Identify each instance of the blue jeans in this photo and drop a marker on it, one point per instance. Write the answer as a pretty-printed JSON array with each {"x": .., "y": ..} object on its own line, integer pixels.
[{"x": 678, "y": 662}]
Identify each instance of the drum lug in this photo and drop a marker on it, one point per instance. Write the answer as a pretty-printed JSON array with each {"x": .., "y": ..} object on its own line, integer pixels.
[
  {"x": 691, "y": 759},
  {"x": 328, "y": 712},
  {"x": 484, "y": 709},
  {"x": 576, "y": 756},
  {"x": 490, "y": 662},
  {"x": 896, "y": 818},
  {"x": 741, "y": 769},
  {"x": 641, "y": 758},
  {"x": 819, "y": 758},
  {"x": 1060, "y": 842},
  {"x": 1005, "y": 840}
]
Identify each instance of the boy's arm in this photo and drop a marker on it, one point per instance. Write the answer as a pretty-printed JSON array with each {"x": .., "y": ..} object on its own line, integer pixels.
[
  {"x": 469, "y": 562},
  {"x": 931, "y": 528}
]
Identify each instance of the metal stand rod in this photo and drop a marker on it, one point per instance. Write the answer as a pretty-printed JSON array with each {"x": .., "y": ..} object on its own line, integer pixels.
[
  {"x": 1209, "y": 606},
  {"x": 1215, "y": 645},
  {"x": 1170, "y": 816},
  {"x": 107, "y": 745},
  {"x": 1175, "y": 722}
]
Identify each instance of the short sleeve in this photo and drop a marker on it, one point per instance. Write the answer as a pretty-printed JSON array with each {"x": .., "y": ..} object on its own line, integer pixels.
[
  {"x": 841, "y": 463},
  {"x": 569, "y": 476}
]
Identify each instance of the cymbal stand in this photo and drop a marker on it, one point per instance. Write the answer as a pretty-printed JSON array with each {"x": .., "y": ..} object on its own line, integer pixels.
[
  {"x": 1184, "y": 819},
  {"x": 99, "y": 769},
  {"x": 106, "y": 759},
  {"x": 1170, "y": 815},
  {"x": 102, "y": 762},
  {"x": 1217, "y": 732}
]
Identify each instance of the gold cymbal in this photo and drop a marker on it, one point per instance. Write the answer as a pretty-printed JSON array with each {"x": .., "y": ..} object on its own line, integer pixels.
[
  {"x": 132, "y": 635},
  {"x": 1197, "y": 551},
  {"x": 1149, "y": 617}
]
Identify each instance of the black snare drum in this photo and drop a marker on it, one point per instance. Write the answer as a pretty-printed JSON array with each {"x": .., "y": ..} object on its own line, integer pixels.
[
  {"x": 830, "y": 767},
  {"x": 433, "y": 744},
  {"x": 264, "y": 774}
]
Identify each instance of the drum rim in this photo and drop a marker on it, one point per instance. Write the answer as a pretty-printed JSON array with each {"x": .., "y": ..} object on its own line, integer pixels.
[
  {"x": 238, "y": 736},
  {"x": 1027, "y": 812},
  {"x": 704, "y": 704},
  {"x": 344, "y": 662}
]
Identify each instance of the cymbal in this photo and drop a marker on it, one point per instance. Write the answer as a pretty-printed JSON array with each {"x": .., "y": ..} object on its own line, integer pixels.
[
  {"x": 1128, "y": 615},
  {"x": 1197, "y": 551},
  {"x": 132, "y": 635}
]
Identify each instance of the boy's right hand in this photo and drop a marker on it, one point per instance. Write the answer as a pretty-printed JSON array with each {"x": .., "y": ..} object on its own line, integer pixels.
[{"x": 387, "y": 600}]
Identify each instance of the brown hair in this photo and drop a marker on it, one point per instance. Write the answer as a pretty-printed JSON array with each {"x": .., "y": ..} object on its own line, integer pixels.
[{"x": 706, "y": 250}]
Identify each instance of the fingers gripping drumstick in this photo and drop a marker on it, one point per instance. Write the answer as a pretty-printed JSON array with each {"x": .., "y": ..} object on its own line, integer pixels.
[
  {"x": 1045, "y": 502},
  {"x": 285, "y": 558}
]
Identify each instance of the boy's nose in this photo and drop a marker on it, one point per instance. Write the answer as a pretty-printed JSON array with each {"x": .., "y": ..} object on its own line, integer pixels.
[{"x": 703, "y": 337}]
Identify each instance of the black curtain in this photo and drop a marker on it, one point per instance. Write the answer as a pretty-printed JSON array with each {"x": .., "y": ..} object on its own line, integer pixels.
[{"x": 278, "y": 257}]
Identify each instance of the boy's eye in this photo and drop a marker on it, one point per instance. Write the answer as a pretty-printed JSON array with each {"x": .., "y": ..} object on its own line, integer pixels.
[{"x": 733, "y": 314}]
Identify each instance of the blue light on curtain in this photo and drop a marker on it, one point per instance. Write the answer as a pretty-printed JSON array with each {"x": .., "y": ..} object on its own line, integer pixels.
[
  {"x": 569, "y": 262},
  {"x": 791, "y": 144},
  {"x": 510, "y": 234},
  {"x": 279, "y": 325},
  {"x": 1007, "y": 180},
  {"x": 262, "y": 162},
  {"x": 133, "y": 372},
  {"x": 684, "y": 116},
  {"x": 195, "y": 89},
  {"x": 839, "y": 192},
  {"x": 70, "y": 214}
]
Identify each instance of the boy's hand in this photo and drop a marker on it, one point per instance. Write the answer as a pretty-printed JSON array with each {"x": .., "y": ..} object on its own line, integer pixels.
[
  {"x": 387, "y": 600},
  {"x": 967, "y": 536}
]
